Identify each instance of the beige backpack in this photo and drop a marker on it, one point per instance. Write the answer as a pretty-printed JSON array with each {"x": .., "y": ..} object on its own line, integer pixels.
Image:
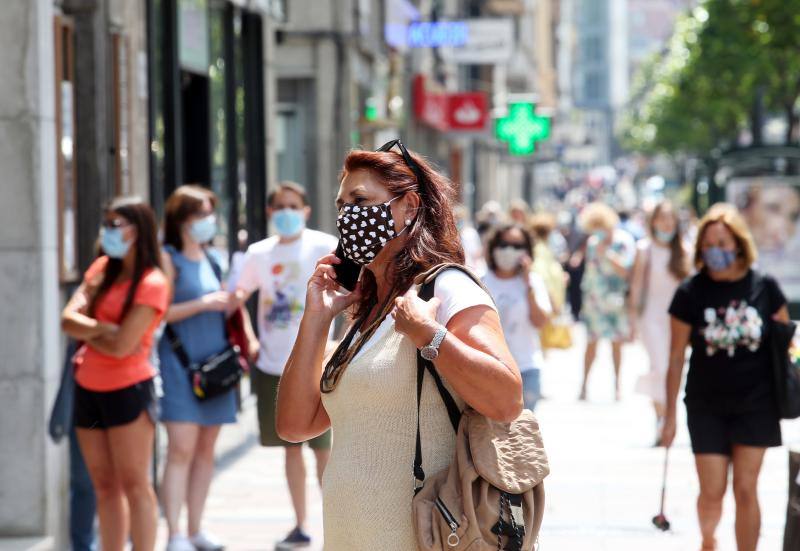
[{"x": 491, "y": 497}]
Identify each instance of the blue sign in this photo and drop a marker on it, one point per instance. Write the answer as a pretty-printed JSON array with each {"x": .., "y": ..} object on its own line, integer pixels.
[{"x": 439, "y": 34}]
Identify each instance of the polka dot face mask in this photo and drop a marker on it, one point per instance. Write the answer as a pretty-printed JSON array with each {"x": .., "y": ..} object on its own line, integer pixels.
[{"x": 364, "y": 230}]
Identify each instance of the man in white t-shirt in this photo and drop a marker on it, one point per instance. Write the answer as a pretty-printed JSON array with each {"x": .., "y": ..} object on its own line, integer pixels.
[{"x": 279, "y": 268}]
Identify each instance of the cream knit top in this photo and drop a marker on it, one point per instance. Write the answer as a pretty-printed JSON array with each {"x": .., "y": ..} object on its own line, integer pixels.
[{"x": 368, "y": 483}]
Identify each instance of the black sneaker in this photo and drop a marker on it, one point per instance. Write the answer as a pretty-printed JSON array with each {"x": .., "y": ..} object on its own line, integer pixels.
[{"x": 296, "y": 538}]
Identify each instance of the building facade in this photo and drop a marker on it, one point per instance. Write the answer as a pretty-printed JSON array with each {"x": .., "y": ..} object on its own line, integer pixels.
[{"x": 74, "y": 125}]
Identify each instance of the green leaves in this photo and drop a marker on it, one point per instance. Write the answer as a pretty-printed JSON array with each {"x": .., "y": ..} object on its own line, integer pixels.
[{"x": 699, "y": 92}]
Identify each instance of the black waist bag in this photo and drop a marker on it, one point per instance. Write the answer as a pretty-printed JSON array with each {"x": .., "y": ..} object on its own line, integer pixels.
[{"x": 215, "y": 375}]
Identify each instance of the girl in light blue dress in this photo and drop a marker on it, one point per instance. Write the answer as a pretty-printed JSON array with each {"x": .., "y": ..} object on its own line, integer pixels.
[{"x": 197, "y": 317}]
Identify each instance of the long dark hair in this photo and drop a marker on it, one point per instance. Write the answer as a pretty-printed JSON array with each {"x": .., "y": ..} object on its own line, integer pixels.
[
  {"x": 148, "y": 254},
  {"x": 432, "y": 239},
  {"x": 184, "y": 202},
  {"x": 497, "y": 237},
  {"x": 678, "y": 260}
]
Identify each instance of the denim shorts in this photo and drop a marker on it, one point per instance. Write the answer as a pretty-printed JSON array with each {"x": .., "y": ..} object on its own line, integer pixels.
[{"x": 531, "y": 388}]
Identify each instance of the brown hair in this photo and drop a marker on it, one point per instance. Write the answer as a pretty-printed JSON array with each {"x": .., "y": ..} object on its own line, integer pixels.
[
  {"x": 184, "y": 202},
  {"x": 288, "y": 185},
  {"x": 497, "y": 237},
  {"x": 432, "y": 239},
  {"x": 148, "y": 254},
  {"x": 734, "y": 221},
  {"x": 678, "y": 261}
]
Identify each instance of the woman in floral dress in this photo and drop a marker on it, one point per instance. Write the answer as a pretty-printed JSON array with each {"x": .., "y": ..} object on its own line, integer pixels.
[{"x": 610, "y": 252}]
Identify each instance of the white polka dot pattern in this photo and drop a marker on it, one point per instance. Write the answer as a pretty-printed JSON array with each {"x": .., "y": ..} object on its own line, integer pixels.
[{"x": 364, "y": 230}]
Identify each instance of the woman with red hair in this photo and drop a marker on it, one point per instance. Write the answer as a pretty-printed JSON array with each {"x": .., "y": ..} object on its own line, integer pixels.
[{"x": 396, "y": 220}]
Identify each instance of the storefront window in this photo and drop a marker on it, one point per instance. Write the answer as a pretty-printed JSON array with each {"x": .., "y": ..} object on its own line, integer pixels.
[
  {"x": 65, "y": 147},
  {"x": 217, "y": 73}
]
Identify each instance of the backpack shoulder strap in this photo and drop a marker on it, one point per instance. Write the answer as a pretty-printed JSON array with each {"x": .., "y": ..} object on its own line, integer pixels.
[{"x": 427, "y": 281}]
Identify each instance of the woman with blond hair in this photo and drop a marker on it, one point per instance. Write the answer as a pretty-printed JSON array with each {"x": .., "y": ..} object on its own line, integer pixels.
[
  {"x": 725, "y": 312},
  {"x": 662, "y": 262},
  {"x": 610, "y": 252}
]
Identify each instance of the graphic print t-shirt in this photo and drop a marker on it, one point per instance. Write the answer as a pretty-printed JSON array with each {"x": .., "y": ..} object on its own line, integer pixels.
[
  {"x": 280, "y": 273},
  {"x": 729, "y": 369}
]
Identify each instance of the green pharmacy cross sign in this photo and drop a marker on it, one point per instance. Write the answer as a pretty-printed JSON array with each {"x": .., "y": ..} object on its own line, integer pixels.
[{"x": 522, "y": 128}]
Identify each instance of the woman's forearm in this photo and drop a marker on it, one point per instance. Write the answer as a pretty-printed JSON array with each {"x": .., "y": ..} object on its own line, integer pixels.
[
  {"x": 617, "y": 264},
  {"x": 183, "y": 310},
  {"x": 536, "y": 314},
  {"x": 300, "y": 414},
  {"x": 674, "y": 376},
  {"x": 79, "y": 326}
]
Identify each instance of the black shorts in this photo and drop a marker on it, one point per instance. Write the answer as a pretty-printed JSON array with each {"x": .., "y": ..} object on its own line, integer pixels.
[
  {"x": 713, "y": 432},
  {"x": 103, "y": 410}
]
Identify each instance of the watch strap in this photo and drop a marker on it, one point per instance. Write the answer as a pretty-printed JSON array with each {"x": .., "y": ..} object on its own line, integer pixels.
[{"x": 438, "y": 337}]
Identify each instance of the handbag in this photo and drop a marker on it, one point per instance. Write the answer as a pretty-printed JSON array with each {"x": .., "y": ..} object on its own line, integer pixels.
[
  {"x": 220, "y": 372},
  {"x": 555, "y": 335},
  {"x": 213, "y": 376},
  {"x": 786, "y": 368},
  {"x": 491, "y": 496}
]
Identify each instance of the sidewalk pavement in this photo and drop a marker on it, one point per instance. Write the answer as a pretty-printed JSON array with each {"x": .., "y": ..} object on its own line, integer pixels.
[{"x": 603, "y": 489}]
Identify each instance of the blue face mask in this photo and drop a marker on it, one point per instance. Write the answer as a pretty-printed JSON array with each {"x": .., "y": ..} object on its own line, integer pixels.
[
  {"x": 203, "y": 230},
  {"x": 664, "y": 236},
  {"x": 289, "y": 222},
  {"x": 112, "y": 242},
  {"x": 601, "y": 235},
  {"x": 717, "y": 259}
]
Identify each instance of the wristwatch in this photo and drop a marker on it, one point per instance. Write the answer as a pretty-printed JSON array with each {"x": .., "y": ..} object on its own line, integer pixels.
[{"x": 431, "y": 351}]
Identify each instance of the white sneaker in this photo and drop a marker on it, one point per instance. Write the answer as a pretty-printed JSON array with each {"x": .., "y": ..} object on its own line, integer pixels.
[
  {"x": 206, "y": 542},
  {"x": 180, "y": 543}
]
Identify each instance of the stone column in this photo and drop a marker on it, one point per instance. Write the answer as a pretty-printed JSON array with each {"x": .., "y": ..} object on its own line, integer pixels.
[{"x": 31, "y": 477}]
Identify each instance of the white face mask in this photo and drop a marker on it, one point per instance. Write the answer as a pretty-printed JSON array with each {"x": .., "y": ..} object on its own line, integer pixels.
[{"x": 507, "y": 258}]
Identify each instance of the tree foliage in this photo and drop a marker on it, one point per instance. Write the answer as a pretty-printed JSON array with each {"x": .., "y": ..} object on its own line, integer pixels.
[{"x": 700, "y": 91}]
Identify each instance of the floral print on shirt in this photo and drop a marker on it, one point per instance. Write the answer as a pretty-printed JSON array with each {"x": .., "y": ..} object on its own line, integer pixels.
[{"x": 727, "y": 328}]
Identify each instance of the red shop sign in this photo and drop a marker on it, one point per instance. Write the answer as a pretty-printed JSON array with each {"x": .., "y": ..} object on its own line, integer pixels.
[{"x": 461, "y": 112}]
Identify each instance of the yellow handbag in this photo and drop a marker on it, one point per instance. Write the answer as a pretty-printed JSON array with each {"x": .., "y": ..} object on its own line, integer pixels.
[{"x": 555, "y": 335}]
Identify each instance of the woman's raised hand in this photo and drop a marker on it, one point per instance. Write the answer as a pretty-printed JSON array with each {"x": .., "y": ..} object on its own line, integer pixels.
[
  {"x": 324, "y": 296},
  {"x": 415, "y": 317}
]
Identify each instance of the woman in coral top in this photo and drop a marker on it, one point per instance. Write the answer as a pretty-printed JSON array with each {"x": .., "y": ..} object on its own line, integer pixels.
[{"x": 115, "y": 313}]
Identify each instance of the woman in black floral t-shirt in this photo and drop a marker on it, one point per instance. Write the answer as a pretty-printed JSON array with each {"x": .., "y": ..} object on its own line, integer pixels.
[{"x": 724, "y": 312}]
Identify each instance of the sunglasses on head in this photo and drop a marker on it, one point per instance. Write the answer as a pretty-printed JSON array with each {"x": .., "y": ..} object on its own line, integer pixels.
[
  {"x": 504, "y": 244},
  {"x": 406, "y": 157}
]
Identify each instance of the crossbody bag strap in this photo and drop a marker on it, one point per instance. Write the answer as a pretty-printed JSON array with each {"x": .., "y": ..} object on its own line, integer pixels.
[
  {"x": 428, "y": 281},
  {"x": 177, "y": 346}
]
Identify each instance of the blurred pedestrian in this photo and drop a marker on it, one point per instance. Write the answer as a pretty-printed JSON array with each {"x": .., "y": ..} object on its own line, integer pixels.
[
  {"x": 610, "y": 252},
  {"x": 519, "y": 211},
  {"x": 115, "y": 312},
  {"x": 367, "y": 393},
  {"x": 470, "y": 241},
  {"x": 278, "y": 268},
  {"x": 725, "y": 312},
  {"x": 196, "y": 319},
  {"x": 662, "y": 262},
  {"x": 489, "y": 215},
  {"x": 522, "y": 301},
  {"x": 82, "y": 506},
  {"x": 556, "y": 332}
]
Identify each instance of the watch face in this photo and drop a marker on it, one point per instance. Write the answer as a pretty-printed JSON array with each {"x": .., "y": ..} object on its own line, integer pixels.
[{"x": 429, "y": 353}]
